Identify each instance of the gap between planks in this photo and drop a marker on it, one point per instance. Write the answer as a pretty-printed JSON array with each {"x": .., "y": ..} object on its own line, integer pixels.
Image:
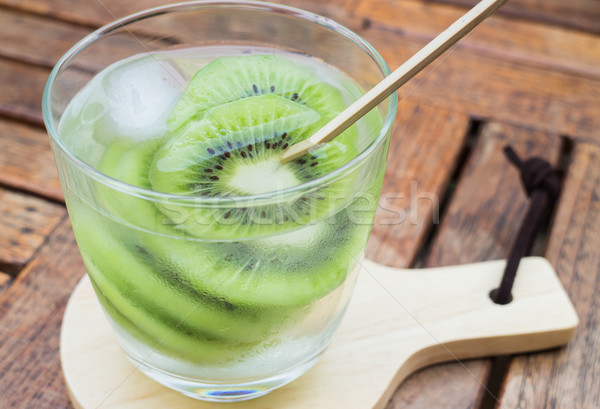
[
  {"x": 418, "y": 163},
  {"x": 471, "y": 137}
]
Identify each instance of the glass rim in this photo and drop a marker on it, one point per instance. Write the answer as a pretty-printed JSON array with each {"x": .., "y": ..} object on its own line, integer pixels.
[{"x": 145, "y": 193}]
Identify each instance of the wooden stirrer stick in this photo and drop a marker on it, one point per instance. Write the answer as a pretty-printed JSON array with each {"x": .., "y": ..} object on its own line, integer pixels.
[{"x": 396, "y": 79}]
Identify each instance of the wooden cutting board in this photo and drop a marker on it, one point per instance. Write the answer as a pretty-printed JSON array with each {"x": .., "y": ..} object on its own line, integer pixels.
[{"x": 398, "y": 321}]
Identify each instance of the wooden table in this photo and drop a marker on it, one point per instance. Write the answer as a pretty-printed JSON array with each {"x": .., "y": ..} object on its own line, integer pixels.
[{"x": 529, "y": 76}]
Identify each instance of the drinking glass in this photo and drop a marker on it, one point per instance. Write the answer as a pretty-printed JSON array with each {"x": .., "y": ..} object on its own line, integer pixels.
[{"x": 190, "y": 310}]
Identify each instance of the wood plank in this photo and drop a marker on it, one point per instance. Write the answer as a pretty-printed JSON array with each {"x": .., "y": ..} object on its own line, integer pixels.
[
  {"x": 479, "y": 224},
  {"x": 26, "y": 222},
  {"x": 22, "y": 87},
  {"x": 90, "y": 13},
  {"x": 575, "y": 14},
  {"x": 31, "y": 311},
  {"x": 485, "y": 211},
  {"x": 489, "y": 88},
  {"x": 95, "y": 14},
  {"x": 419, "y": 167},
  {"x": 442, "y": 386},
  {"x": 26, "y": 161},
  {"x": 42, "y": 41},
  {"x": 537, "y": 45},
  {"x": 34, "y": 39},
  {"x": 568, "y": 378},
  {"x": 38, "y": 40}
]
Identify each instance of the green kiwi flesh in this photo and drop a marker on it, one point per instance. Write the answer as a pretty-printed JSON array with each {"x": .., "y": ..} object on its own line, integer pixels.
[
  {"x": 135, "y": 251},
  {"x": 261, "y": 273},
  {"x": 234, "y": 151},
  {"x": 229, "y": 79}
]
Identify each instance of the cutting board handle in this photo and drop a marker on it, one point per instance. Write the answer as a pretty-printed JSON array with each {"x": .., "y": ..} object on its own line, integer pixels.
[{"x": 445, "y": 314}]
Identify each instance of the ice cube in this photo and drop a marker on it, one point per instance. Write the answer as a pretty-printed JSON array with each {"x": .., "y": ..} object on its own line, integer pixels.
[{"x": 138, "y": 96}]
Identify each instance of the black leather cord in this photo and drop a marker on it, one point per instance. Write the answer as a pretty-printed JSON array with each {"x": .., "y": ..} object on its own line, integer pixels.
[{"x": 542, "y": 185}]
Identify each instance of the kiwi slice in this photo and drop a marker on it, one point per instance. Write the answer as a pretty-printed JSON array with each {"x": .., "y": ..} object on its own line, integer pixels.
[
  {"x": 234, "y": 151},
  {"x": 176, "y": 338},
  {"x": 263, "y": 278},
  {"x": 140, "y": 259},
  {"x": 229, "y": 79},
  {"x": 291, "y": 269},
  {"x": 155, "y": 289},
  {"x": 131, "y": 164}
]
